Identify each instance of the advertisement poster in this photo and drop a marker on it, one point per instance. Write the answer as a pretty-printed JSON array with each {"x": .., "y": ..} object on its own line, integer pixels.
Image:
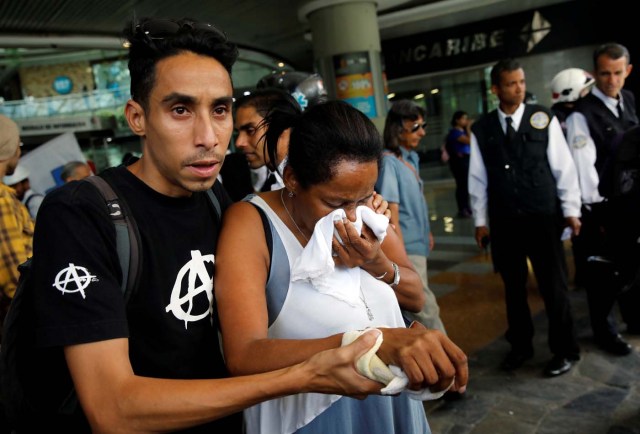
[
  {"x": 45, "y": 162},
  {"x": 354, "y": 81}
]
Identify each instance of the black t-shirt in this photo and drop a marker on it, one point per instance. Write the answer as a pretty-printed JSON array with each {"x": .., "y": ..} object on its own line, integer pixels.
[{"x": 169, "y": 320}]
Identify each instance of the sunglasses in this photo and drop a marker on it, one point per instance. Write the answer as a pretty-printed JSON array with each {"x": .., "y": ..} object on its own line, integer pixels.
[
  {"x": 165, "y": 28},
  {"x": 417, "y": 126}
]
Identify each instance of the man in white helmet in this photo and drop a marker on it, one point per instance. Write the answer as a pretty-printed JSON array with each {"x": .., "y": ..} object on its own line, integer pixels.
[{"x": 567, "y": 87}]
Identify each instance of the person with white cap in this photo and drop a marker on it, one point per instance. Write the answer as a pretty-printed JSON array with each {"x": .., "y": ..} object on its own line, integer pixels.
[
  {"x": 567, "y": 87},
  {"x": 16, "y": 225},
  {"x": 19, "y": 181}
]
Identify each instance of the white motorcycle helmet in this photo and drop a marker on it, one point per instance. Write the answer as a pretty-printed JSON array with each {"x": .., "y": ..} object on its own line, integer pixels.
[{"x": 570, "y": 84}]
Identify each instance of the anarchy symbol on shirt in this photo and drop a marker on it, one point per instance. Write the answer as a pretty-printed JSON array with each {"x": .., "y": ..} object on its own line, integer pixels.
[
  {"x": 76, "y": 275},
  {"x": 196, "y": 271}
]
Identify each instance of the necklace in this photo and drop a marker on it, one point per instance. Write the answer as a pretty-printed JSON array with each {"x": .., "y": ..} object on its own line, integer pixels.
[
  {"x": 291, "y": 217},
  {"x": 364, "y": 300}
]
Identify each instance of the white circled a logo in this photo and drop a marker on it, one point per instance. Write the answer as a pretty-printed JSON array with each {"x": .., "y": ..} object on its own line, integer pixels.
[
  {"x": 73, "y": 279},
  {"x": 182, "y": 305}
]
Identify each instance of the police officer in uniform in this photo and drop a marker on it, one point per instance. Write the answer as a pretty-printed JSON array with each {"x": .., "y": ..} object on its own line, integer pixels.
[
  {"x": 522, "y": 181},
  {"x": 598, "y": 119}
]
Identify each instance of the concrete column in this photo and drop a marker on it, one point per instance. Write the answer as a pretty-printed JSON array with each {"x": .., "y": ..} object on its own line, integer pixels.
[{"x": 346, "y": 48}]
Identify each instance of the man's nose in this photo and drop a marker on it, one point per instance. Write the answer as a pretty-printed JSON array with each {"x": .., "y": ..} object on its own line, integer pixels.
[
  {"x": 241, "y": 140},
  {"x": 205, "y": 132}
]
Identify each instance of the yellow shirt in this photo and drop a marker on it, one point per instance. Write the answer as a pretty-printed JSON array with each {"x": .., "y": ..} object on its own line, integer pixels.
[{"x": 16, "y": 238}]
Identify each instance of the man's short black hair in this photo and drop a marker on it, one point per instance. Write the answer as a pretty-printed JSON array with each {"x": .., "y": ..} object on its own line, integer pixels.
[
  {"x": 504, "y": 65},
  {"x": 612, "y": 50},
  {"x": 153, "y": 39}
]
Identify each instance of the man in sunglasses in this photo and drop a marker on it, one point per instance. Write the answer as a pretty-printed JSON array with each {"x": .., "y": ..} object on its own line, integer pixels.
[
  {"x": 155, "y": 363},
  {"x": 400, "y": 183}
]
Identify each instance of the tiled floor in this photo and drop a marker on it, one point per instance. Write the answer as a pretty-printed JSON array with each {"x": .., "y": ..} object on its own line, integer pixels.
[{"x": 600, "y": 395}]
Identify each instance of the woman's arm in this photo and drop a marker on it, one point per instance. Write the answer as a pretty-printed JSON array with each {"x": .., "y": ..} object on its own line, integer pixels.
[{"x": 242, "y": 264}]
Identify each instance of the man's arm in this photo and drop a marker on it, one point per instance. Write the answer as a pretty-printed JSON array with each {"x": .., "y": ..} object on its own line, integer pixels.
[
  {"x": 563, "y": 170},
  {"x": 565, "y": 174},
  {"x": 583, "y": 151},
  {"x": 114, "y": 399},
  {"x": 477, "y": 184}
]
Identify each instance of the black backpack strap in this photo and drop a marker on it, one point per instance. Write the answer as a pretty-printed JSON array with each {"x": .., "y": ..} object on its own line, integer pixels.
[
  {"x": 215, "y": 202},
  {"x": 127, "y": 237}
]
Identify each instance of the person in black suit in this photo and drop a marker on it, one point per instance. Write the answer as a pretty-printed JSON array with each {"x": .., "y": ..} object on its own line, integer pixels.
[
  {"x": 598, "y": 119},
  {"x": 522, "y": 182}
]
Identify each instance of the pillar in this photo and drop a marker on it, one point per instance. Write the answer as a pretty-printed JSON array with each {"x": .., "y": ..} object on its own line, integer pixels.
[{"x": 346, "y": 49}]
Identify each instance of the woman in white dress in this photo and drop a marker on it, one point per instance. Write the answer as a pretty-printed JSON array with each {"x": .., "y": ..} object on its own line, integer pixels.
[{"x": 271, "y": 319}]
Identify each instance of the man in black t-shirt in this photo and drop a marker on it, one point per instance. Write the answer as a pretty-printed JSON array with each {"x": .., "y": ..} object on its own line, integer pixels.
[{"x": 154, "y": 363}]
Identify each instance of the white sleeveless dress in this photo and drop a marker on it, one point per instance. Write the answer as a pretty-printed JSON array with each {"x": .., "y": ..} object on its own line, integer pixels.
[{"x": 298, "y": 311}]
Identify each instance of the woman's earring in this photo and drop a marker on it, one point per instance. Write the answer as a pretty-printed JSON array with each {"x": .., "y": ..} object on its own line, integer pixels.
[{"x": 290, "y": 194}]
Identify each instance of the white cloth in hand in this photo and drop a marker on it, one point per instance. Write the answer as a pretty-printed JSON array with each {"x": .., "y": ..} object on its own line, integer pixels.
[
  {"x": 394, "y": 378},
  {"x": 316, "y": 264}
]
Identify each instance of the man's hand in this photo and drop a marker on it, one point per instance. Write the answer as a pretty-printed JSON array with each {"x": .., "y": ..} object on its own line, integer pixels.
[
  {"x": 482, "y": 232},
  {"x": 428, "y": 357},
  {"x": 334, "y": 371},
  {"x": 575, "y": 224}
]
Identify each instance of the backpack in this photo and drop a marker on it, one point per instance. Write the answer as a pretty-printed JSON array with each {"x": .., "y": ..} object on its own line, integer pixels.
[{"x": 18, "y": 333}]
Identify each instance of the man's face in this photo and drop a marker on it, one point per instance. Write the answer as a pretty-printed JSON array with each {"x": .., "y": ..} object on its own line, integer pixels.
[
  {"x": 187, "y": 125},
  {"x": 610, "y": 74},
  {"x": 412, "y": 132},
  {"x": 250, "y": 140},
  {"x": 21, "y": 188},
  {"x": 512, "y": 88}
]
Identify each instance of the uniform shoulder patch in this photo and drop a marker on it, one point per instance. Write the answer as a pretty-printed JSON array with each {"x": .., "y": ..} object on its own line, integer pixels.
[
  {"x": 539, "y": 120},
  {"x": 579, "y": 142}
]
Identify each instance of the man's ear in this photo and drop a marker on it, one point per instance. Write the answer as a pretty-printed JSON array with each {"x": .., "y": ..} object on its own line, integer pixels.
[
  {"x": 135, "y": 117},
  {"x": 629, "y": 68}
]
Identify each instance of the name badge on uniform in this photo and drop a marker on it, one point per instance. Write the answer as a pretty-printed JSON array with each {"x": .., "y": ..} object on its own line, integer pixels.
[{"x": 539, "y": 120}]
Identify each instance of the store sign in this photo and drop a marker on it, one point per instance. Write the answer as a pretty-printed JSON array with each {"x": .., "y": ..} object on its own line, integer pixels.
[
  {"x": 516, "y": 35},
  {"x": 59, "y": 125},
  {"x": 62, "y": 84},
  {"x": 354, "y": 81}
]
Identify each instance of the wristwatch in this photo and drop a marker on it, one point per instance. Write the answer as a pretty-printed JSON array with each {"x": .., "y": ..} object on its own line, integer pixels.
[{"x": 396, "y": 275}]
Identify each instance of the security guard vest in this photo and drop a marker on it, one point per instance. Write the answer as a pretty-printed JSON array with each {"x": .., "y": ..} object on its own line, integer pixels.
[
  {"x": 519, "y": 177},
  {"x": 604, "y": 126}
]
